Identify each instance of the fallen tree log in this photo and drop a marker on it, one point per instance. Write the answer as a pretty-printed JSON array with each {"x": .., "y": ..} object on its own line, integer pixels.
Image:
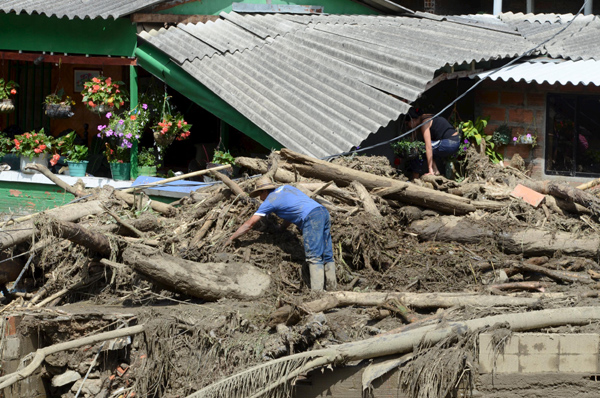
[
  {"x": 529, "y": 242},
  {"x": 567, "y": 192},
  {"x": 262, "y": 167},
  {"x": 562, "y": 276},
  {"x": 344, "y": 176},
  {"x": 331, "y": 190},
  {"x": 208, "y": 281},
  {"x": 413, "y": 300},
  {"x": 21, "y": 232},
  {"x": 365, "y": 198},
  {"x": 77, "y": 234},
  {"x": 42, "y": 353},
  {"x": 260, "y": 380},
  {"x": 54, "y": 178},
  {"x": 160, "y": 207}
]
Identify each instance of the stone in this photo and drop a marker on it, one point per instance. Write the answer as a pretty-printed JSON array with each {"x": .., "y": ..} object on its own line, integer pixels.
[{"x": 70, "y": 376}]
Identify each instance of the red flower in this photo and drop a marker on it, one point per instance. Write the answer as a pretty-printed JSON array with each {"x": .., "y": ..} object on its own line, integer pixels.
[
  {"x": 96, "y": 80},
  {"x": 42, "y": 147},
  {"x": 132, "y": 117},
  {"x": 96, "y": 87},
  {"x": 91, "y": 103},
  {"x": 37, "y": 150},
  {"x": 54, "y": 159},
  {"x": 13, "y": 91}
]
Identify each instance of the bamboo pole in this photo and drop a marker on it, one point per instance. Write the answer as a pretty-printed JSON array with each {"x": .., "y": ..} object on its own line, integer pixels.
[{"x": 181, "y": 177}]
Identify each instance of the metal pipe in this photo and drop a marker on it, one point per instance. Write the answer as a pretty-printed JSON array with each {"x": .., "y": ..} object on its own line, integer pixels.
[
  {"x": 497, "y": 7},
  {"x": 589, "y": 5},
  {"x": 530, "y": 6}
]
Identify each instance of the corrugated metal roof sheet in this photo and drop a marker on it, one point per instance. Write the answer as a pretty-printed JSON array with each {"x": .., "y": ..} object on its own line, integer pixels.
[
  {"x": 550, "y": 71},
  {"x": 320, "y": 84},
  {"x": 77, "y": 8}
]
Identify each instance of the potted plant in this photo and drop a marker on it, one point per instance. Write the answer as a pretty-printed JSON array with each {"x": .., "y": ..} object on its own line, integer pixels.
[
  {"x": 76, "y": 154},
  {"x": 102, "y": 95},
  {"x": 502, "y": 135},
  {"x": 147, "y": 163},
  {"x": 58, "y": 108},
  {"x": 528, "y": 138},
  {"x": 220, "y": 158},
  {"x": 408, "y": 149},
  {"x": 34, "y": 147},
  {"x": 170, "y": 128},
  {"x": 119, "y": 134},
  {"x": 7, "y": 89}
]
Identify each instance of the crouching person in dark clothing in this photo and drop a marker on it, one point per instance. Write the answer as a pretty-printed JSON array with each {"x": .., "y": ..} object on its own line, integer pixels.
[{"x": 293, "y": 206}]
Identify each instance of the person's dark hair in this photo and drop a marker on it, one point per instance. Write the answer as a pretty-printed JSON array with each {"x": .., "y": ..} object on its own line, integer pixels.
[{"x": 414, "y": 112}]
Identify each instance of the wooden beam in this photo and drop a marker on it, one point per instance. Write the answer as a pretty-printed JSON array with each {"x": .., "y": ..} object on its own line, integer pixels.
[
  {"x": 172, "y": 18},
  {"x": 67, "y": 59}
]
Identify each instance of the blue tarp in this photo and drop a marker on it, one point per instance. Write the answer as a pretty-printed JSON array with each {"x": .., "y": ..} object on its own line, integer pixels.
[{"x": 181, "y": 186}]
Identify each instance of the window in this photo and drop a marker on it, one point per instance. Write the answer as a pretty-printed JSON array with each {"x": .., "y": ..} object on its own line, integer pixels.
[{"x": 573, "y": 135}]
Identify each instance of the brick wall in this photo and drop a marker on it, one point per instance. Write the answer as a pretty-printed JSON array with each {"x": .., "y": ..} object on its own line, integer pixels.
[{"x": 522, "y": 107}]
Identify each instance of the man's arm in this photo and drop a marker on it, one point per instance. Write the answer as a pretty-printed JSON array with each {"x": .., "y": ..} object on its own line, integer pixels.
[{"x": 245, "y": 227}]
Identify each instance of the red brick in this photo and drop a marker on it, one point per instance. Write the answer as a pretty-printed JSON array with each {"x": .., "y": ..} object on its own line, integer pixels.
[
  {"x": 511, "y": 98},
  {"x": 495, "y": 113},
  {"x": 520, "y": 116},
  {"x": 536, "y": 99},
  {"x": 490, "y": 128},
  {"x": 529, "y": 195},
  {"x": 487, "y": 97}
]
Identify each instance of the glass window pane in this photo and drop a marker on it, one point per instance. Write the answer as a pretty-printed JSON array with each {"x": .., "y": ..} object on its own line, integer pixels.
[{"x": 560, "y": 134}]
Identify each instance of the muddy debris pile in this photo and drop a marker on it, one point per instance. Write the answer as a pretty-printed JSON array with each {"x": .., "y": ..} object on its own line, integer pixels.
[{"x": 186, "y": 315}]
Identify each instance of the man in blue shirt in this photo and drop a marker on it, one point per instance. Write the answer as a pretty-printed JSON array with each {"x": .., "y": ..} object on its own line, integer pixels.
[{"x": 293, "y": 206}]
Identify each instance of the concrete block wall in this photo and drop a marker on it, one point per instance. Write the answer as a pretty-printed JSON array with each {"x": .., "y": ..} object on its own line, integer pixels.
[
  {"x": 13, "y": 348},
  {"x": 522, "y": 107},
  {"x": 541, "y": 353}
]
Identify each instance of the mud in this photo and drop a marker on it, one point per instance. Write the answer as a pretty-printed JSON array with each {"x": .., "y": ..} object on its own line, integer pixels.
[{"x": 190, "y": 343}]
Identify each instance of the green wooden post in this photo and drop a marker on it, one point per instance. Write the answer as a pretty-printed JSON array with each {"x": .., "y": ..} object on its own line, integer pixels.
[
  {"x": 224, "y": 134},
  {"x": 133, "y": 102}
]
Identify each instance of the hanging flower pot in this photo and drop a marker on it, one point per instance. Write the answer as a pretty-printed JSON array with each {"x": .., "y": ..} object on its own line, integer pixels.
[
  {"x": 57, "y": 107},
  {"x": 163, "y": 139},
  {"x": 102, "y": 95},
  {"x": 170, "y": 127},
  {"x": 7, "y": 88},
  {"x": 7, "y": 106},
  {"x": 59, "y": 111}
]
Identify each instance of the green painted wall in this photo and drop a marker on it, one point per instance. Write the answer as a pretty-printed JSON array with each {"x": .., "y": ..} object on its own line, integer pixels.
[
  {"x": 214, "y": 7},
  {"x": 24, "y": 198},
  {"x": 94, "y": 37}
]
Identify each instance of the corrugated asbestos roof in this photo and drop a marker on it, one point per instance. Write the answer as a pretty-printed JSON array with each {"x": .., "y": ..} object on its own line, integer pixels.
[
  {"x": 320, "y": 84},
  {"x": 581, "y": 40},
  {"x": 76, "y": 8},
  {"x": 550, "y": 71}
]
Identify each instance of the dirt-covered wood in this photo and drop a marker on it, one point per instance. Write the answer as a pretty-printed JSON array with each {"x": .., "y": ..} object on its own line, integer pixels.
[
  {"x": 209, "y": 281},
  {"x": 77, "y": 234},
  {"x": 20, "y": 232},
  {"x": 423, "y": 300},
  {"x": 567, "y": 192},
  {"x": 384, "y": 345},
  {"x": 343, "y": 176},
  {"x": 42, "y": 353},
  {"x": 528, "y": 241}
]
